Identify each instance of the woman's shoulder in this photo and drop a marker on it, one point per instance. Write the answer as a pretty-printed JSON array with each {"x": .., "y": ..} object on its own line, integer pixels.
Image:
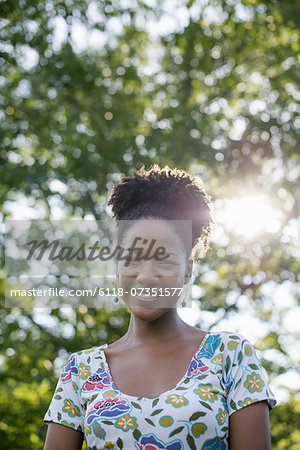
[
  {"x": 227, "y": 336},
  {"x": 89, "y": 354},
  {"x": 226, "y": 341}
]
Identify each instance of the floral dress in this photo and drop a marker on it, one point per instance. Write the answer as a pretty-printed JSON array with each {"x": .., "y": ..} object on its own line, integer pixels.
[{"x": 223, "y": 376}]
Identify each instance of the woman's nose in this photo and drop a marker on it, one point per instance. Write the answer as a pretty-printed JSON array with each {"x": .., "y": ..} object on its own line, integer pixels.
[{"x": 146, "y": 272}]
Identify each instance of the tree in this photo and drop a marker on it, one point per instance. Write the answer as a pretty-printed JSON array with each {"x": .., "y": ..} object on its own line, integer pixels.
[{"x": 218, "y": 97}]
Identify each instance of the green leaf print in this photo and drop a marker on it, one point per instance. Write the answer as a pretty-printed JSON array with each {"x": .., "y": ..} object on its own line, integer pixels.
[
  {"x": 136, "y": 405},
  {"x": 154, "y": 403},
  {"x": 240, "y": 356},
  {"x": 227, "y": 365},
  {"x": 99, "y": 432},
  {"x": 176, "y": 431},
  {"x": 196, "y": 415},
  {"x": 222, "y": 347},
  {"x": 58, "y": 416},
  {"x": 253, "y": 366},
  {"x": 89, "y": 360},
  {"x": 58, "y": 390},
  {"x": 180, "y": 388},
  {"x": 120, "y": 443},
  {"x": 206, "y": 405},
  {"x": 149, "y": 421},
  {"x": 191, "y": 442},
  {"x": 156, "y": 412},
  {"x": 234, "y": 337},
  {"x": 107, "y": 422},
  {"x": 93, "y": 397},
  {"x": 238, "y": 383},
  {"x": 201, "y": 377},
  {"x": 233, "y": 405},
  {"x": 136, "y": 434},
  {"x": 58, "y": 397}
]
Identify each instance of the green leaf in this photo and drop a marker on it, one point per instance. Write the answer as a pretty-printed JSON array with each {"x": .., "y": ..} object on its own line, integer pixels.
[
  {"x": 136, "y": 405},
  {"x": 201, "y": 377},
  {"x": 176, "y": 431},
  {"x": 154, "y": 413},
  {"x": 240, "y": 356},
  {"x": 120, "y": 443},
  {"x": 154, "y": 403},
  {"x": 227, "y": 365},
  {"x": 99, "y": 432},
  {"x": 206, "y": 405},
  {"x": 149, "y": 421},
  {"x": 136, "y": 434},
  {"x": 93, "y": 397},
  {"x": 191, "y": 442},
  {"x": 233, "y": 405},
  {"x": 196, "y": 415}
]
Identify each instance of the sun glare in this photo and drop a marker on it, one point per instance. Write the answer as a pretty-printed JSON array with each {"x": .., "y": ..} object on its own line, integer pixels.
[{"x": 249, "y": 215}]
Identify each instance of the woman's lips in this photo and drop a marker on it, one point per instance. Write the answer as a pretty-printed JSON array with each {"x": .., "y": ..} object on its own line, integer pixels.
[{"x": 146, "y": 299}]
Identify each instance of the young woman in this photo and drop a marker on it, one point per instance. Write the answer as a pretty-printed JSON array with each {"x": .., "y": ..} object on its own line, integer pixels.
[{"x": 164, "y": 384}]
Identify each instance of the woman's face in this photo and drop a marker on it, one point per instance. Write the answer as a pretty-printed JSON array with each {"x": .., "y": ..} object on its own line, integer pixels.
[{"x": 155, "y": 283}]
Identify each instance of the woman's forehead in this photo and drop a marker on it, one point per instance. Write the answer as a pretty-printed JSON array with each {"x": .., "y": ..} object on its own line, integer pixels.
[{"x": 153, "y": 229}]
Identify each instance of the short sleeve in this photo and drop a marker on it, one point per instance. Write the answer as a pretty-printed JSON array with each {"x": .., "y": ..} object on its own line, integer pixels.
[
  {"x": 65, "y": 407},
  {"x": 243, "y": 375}
]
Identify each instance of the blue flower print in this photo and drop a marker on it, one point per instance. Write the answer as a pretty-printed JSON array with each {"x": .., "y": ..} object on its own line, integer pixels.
[
  {"x": 69, "y": 369},
  {"x": 196, "y": 366},
  {"x": 99, "y": 380},
  {"x": 214, "y": 444},
  {"x": 209, "y": 347},
  {"x": 150, "y": 442},
  {"x": 108, "y": 408}
]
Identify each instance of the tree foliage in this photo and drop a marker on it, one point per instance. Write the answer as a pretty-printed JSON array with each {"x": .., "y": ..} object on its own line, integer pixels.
[{"x": 218, "y": 95}]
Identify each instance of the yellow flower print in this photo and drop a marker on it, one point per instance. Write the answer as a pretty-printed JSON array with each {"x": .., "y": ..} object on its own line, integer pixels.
[
  {"x": 221, "y": 417},
  {"x": 89, "y": 350},
  {"x": 87, "y": 429},
  {"x": 248, "y": 350},
  {"x": 109, "y": 445},
  {"x": 218, "y": 359},
  {"x": 166, "y": 421},
  {"x": 70, "y": 425},
  {"x": 176, "y": 400},
  {"x": 198, "y": 428},
  {"x": 248, "y": 401},
  {"x": 232, "y": 345},
  {"x": 70, "y": 408},
  {"x": 206, "y": 392},
  {"x": 75, "y": 387},
  {"x": 254, "y": 383},
  {"x": 84, "y": 371},
  {"x": 109, "y": 394},
  {"x": 126, "y": 423}
]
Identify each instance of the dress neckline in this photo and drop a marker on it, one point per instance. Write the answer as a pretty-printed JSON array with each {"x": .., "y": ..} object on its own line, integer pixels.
[{"x": 102, "y": 347}]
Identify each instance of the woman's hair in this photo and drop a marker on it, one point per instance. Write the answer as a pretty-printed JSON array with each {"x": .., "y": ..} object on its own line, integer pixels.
[{"x": 171, "y": 194}]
